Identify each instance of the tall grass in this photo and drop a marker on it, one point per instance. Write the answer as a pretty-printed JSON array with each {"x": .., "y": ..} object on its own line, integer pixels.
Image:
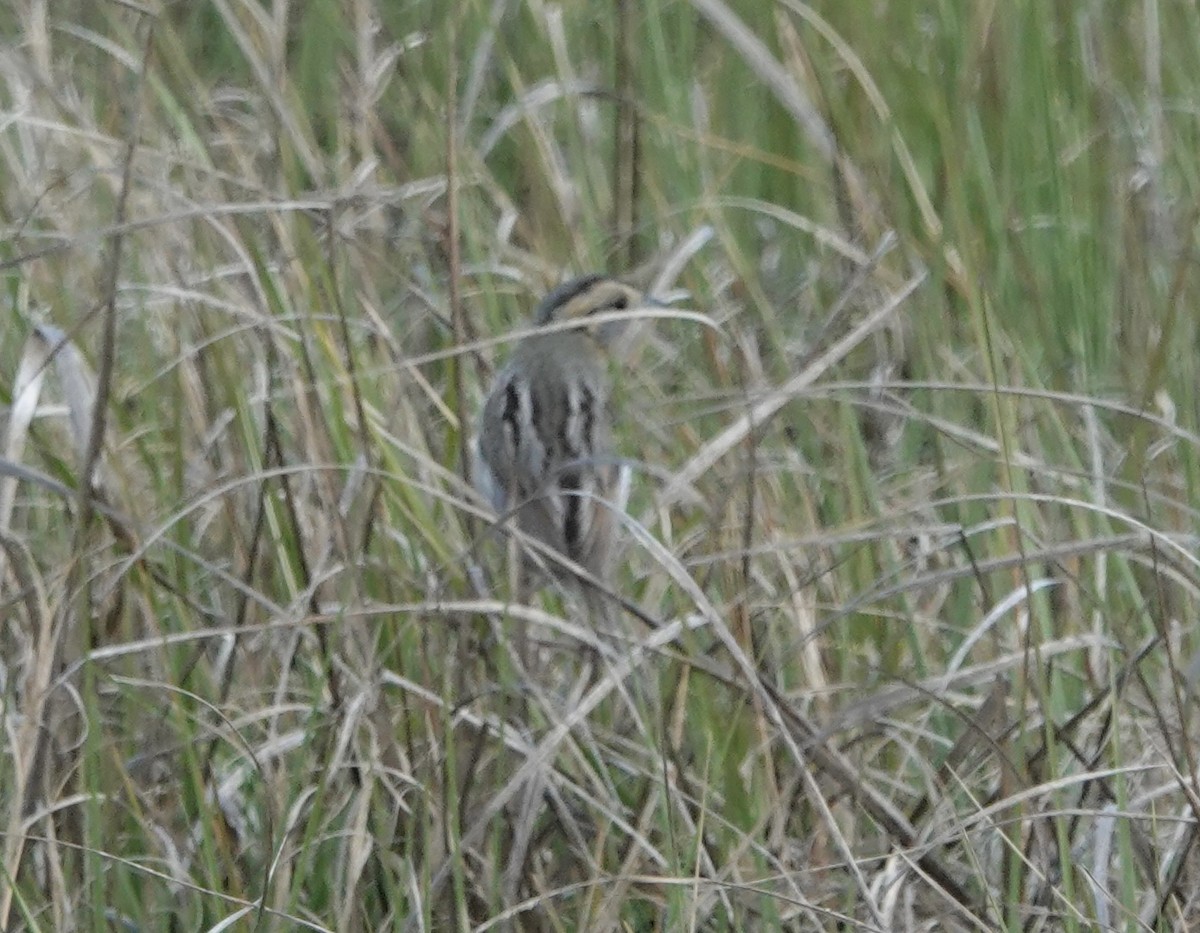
[{"x": 910, "y": 571}]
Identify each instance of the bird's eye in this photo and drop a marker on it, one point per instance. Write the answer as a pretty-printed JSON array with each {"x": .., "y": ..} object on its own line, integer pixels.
[{"x": 621, "y": 303}]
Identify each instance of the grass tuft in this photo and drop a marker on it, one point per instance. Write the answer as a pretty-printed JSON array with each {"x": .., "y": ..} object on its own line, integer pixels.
[{"x": 910, "y": 571}]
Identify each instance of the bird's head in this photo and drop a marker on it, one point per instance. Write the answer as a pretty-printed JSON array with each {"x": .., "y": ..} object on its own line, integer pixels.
[{"x": 589, "y": 295}]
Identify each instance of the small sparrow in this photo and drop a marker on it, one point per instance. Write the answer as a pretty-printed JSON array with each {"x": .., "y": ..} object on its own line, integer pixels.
[{"x": 545, "y": 433}]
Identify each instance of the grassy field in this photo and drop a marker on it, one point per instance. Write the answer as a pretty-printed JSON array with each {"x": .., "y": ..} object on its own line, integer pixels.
[{"x": 910, "y": 573}]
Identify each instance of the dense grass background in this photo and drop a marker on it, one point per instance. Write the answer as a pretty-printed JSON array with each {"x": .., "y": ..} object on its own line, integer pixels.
[{"x": 912, "y": 538}]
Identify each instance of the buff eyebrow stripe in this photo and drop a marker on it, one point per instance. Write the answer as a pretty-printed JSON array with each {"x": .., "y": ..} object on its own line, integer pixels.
[{"x": 576, "y": 288}]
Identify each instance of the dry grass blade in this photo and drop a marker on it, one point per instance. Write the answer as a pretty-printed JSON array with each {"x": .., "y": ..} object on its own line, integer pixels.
[
  {"x": 820, "y": 233},
  {"x": 26, "y": 393},
  {"x": 31, "y": 739},
  {"x": 626, "y": 169},
  {"x": 756, "y": 55},
  {"x": 46, "y": 345},
  {"x": 78, "y": 385},
  {"x": 290, "y": 239},
  {"x": 714, "y": 449},
  {"x": 540, "y": 756},
  {"x": 933, "y": 223}
]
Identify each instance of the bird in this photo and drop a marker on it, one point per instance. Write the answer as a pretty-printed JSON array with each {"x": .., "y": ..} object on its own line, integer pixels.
[{"x": 545, "y": 450}]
